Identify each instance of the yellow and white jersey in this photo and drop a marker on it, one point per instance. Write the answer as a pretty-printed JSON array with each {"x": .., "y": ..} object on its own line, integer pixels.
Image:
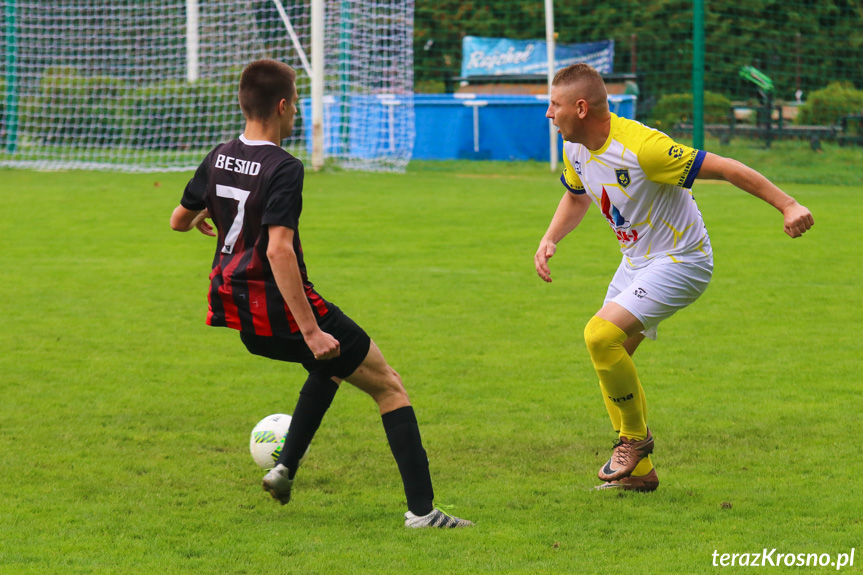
[{"x": 640, "y": 180}]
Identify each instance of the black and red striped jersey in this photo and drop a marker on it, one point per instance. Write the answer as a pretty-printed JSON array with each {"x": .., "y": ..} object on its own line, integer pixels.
[{"x": 248, "y": 185}]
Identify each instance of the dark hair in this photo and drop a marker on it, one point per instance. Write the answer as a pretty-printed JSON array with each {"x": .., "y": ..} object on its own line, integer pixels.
[{"x": 263, "y": 84}]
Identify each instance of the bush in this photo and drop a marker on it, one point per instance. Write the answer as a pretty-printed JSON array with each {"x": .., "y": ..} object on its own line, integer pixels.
[
  {"x": 824, "y": 107},
  {"x": 178, "y": 115},
  {"x": 72, "y": 110},
  {"x": 101, "y": 111},
  {"x": 673, "y": 109}
]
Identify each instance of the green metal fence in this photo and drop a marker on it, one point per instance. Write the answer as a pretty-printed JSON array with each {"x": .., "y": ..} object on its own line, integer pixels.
[{"x": 761, "y": 69}]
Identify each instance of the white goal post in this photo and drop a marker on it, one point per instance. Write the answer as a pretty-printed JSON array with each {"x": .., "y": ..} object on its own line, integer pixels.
[{"x": 151, "y": 85}]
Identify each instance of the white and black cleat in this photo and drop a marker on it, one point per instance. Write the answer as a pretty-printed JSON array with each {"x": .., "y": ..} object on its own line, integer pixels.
[
  {"x": 277, "y": 484},
  {"x": 436, "y": 518}
]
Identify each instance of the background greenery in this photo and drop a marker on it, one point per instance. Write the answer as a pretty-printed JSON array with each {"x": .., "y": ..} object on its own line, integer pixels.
[
  {"x": 80, "y": 103},
  {"x": 762, "y": 33},
  {"x": 124, "y": 420}
]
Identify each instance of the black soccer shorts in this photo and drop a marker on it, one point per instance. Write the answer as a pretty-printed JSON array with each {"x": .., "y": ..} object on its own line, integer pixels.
[{"x": 354, "y": 344}]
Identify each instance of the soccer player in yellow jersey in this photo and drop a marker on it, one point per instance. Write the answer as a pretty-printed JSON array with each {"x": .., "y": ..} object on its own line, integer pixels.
[{"x": 640, "y": 180}]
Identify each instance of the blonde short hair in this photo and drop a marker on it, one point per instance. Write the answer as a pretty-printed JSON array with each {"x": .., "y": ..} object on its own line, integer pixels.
[{"x": 589, "y": 82}]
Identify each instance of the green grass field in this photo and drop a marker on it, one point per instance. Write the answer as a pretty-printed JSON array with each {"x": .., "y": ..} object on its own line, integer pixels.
[{"x": 124, "y": 420}]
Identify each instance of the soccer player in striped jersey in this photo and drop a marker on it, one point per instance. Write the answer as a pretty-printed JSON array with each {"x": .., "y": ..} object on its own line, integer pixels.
[
  {"x": 640, "y": 180},
  {"x": 252, "y": 190}
]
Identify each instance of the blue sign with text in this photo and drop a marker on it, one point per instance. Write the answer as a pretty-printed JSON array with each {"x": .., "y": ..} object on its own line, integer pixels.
[{"x": 497, "y": 56}]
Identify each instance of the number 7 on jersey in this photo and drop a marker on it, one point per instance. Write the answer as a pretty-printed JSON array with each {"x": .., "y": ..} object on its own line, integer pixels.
[{"x": 240, "y": 196}]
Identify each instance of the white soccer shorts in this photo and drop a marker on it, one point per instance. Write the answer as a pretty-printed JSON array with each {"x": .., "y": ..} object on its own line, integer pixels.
[{"x": 657, "y": 291}]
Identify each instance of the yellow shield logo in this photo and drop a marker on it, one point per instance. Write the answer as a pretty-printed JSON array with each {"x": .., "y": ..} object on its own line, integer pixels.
[{"x": 623, "y": 177}]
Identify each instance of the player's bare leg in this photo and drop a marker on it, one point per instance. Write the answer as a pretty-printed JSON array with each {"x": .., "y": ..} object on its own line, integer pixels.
[
  {"x": 375, "y": 377},
  {"x": 632, "y": 342}
]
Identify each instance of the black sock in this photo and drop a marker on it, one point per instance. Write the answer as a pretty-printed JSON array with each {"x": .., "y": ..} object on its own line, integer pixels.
[
  {"x": 403, "y": 434},
  {"x": 315, "y": 399}
]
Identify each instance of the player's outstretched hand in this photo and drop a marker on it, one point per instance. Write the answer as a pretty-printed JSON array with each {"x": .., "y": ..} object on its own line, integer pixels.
[
  {"x": 540, "y": 260},
  {"x": 798, "y": 219},
  {"x": 203, "y": 225},
  {"x": 323, "y": 345}
]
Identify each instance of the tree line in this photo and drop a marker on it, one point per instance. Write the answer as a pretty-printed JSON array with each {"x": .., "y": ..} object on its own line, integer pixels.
[{"x": 800, "y": 44}]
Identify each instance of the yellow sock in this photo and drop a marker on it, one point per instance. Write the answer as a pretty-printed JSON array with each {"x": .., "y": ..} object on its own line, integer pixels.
[
  {"x": 617, "y": 375},
  {"x": 611, "y": 408},
  {"x": 614, "y": 412},
  {"x": 644, "y": 466},
  {"x": 643, "y": 401}
]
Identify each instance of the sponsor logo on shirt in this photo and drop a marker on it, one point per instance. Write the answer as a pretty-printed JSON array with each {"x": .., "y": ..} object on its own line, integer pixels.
[
  {"x": 618, "y": 222},
  {"x": 611, "y": 213}
]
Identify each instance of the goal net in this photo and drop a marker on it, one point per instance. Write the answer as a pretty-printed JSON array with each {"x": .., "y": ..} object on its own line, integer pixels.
[{"x": 151, "y": 85}]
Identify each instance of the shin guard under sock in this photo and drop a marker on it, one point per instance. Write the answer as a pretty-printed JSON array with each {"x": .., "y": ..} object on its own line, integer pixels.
[
  {"x": 403, "y": 435},
  {"x": 617, "y": 374},
  {"x": 315, "y": 399}
]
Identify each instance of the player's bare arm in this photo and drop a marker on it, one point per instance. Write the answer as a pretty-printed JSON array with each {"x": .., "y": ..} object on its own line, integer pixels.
[
  {"x": 183, "y": 220},
  {"x": 283, "y": 260},
  {"x": 568, "y": 215},
  {"x": 798, "y": 219}
]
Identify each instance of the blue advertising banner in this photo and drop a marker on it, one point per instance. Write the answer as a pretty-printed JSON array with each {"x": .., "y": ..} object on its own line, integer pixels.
[{"x": 497, "y": 56}]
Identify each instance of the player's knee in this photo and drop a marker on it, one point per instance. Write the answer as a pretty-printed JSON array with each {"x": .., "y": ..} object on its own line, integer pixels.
[
  {"x": 604, "y": 341},
  {"x": 594, "y": 337},
  {"x": 393, "y": 383},
  {"x": 394, "y": 392},
  {"x": 384, "y": 386}
]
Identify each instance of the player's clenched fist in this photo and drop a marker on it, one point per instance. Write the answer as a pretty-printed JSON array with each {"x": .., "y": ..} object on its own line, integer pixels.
[
  {"x": 323, "y": 345},
  {"x": 798, "y": 219}
]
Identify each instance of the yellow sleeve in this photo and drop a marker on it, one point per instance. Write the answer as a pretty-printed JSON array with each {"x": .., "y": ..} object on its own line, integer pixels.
[
  {"x": 569, "y": 178},
  {"x": 666, "y": 162}
]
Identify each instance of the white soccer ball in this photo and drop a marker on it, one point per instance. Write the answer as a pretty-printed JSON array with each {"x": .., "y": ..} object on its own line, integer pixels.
[{"x": 268, "y": 438}]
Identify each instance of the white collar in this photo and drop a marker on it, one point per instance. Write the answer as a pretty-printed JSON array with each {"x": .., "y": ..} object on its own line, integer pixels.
[{"x": 249, "y": 142}]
